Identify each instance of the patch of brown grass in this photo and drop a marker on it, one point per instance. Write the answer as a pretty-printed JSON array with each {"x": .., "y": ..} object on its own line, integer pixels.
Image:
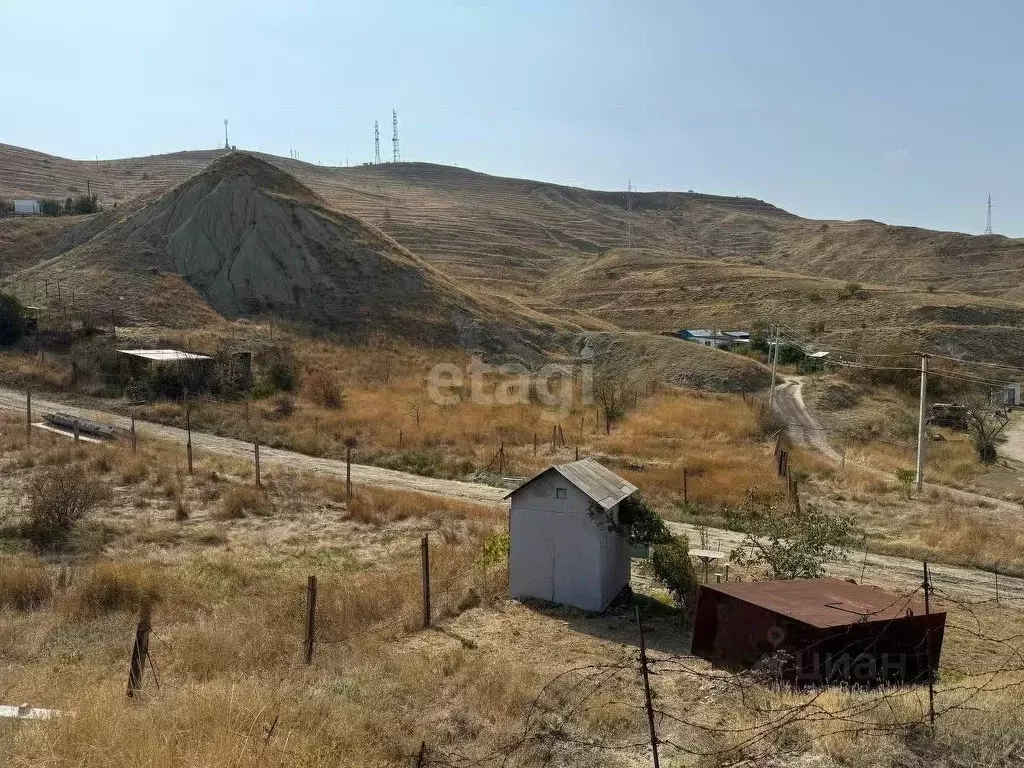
[
  {"x": 107, "y": 587},
  {"x": 24, "y": 584},
  {"x": 242, "y": 500}
]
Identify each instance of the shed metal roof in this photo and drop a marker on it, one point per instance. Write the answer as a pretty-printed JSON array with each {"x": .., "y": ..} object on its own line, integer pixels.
[
  {"x": 163, "y": 355},
  {"x": 598, "y": 482},
  {"x": 822, "y": 603}
]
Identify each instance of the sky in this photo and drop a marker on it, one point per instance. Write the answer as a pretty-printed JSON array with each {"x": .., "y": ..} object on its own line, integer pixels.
[{"x": 907, "y": 112}]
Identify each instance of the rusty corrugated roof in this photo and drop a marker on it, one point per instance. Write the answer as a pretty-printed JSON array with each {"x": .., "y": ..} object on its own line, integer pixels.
[
  {"x": 822, "y": 603},
  {"x": 595, "y": 480}
]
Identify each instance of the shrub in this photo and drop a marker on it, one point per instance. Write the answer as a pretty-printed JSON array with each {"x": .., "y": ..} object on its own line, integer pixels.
[
  {"x": 280, "y": 369},
  {"x": 11, "y": 323},
  {"x": 284, "y": 405},
  {"x": 323, "y": 389},
  {"x": 24, "y": 584},
  {"x": 670, "y": 559},
  {"x": 242, "y": 500},
  {"x": 49, "y": 206},
  {"x": 58, "y": 501},
  {"x": 792, "y": 545}
]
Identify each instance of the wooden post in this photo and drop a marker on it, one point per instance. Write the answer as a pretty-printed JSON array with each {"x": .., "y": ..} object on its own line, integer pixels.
[
  {"x": 996, "y": 569},
  {"x": 727, "y": 572},
  {"x": 400, "y": 436},
  {"x": 188, "y": 432},
  {"x": 686, "y": 483},
  {"x": 561, "y": 435},
  {"x": 310, "y": 617},
  {"x": 928, "y": 638},
  {"x": 501, "y": 458},
  {"x": 348, "y": 474},
  {"x": 76, "y": 430},
  {"x": 577, "y": 453},
  {"x": 796, "y": 495},
  {"x": 135, "y": 437},
  {"x": 246, "y": 412},
  {"x": 422, "y": 754},
  {"x": 534, "y": 443},
  {"x": 647, "y": 687},
  {"x": 554, "y": 437},
  {"x": 425, "y": 559},
  {"x": 113, "y": 325},
  {"x": 256, "y": 456},
  {"x": 28, "y": 417},
  {"x": 140, "y": 650}
]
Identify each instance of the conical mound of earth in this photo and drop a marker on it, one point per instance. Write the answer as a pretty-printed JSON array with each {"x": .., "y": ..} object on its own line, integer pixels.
[{"x": 244, "y": 238}]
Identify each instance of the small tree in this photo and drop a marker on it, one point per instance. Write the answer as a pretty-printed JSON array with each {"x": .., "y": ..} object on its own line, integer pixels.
[
  {"x": 59, "y": 499},
  {"x": 790, "y": 544},
  {"x": 671, "y": 563},
  {"x": 611, "y": 394},
  {"x": 985, "y": 425},
  {"x": 323, "y": 388},
  {"x": 280, "y": 369},
  {"x": 11, "y": 319},
  {"x": 906, "y": 478},
  {"x": 48, "y": 206},
  {"x": 636, "y": 520}
]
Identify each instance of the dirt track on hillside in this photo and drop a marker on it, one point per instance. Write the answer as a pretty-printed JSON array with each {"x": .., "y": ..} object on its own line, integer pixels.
[
  {"x": 269, "y": 457},
  {"x": 896, "y": 572}
]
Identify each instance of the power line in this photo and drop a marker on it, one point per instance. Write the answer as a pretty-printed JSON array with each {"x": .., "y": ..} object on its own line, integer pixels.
[{"x": 988, "y": 217}]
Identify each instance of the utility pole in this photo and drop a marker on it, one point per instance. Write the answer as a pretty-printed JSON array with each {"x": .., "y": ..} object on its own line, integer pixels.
[
  {"x": 988, "y": 217},
  {"x": 775, "y": 361},
  {"x": 920, "y": 423},
  {"x": 396, "y": 154},
  {"x": 376, "y": 143}
]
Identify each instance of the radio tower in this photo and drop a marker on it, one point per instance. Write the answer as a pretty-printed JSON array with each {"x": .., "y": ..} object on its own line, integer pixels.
[
  {"x": 988, "y": 218},
  {"x": 396, "y": 155},
  {"x": 376, "y": 144},
  {"x": 227, "y": 145},
  {"x": 629, "y": 214}
]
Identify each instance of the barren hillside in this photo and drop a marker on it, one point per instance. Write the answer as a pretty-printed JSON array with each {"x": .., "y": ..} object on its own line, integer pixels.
[{"x": 559, "y": 251}]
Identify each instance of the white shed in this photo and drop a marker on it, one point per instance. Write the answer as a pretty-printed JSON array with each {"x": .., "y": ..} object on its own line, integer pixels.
[
  {"x": 557, "y": 550},
  {"x": 26, "y": 208}
]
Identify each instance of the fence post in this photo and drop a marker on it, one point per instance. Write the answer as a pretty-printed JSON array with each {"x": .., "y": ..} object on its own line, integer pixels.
[
  {"x": 348, "y": 474},
  {"x": 140, "y": 650},
  {"x": 422, "y": 754},
  {"x": 28, "y": 417},
  {"x": 400, "y": 436},
  {"x": 996, "y": 569},
  {"x": 577, "y": 453},
  {"x": 647, "y": 687},
  {"x": 534, "y": 443},
  {"x": 928, "y": 638},
  {"x": 188, "y": 432},
  {"x": 135, "y": 436},
  {"x": 310, "y": 617},
  {"x": 76, "y": 430},
  {"x": 686, "y": 490},
  {"x": 425, "y": 558},
  {"x": 554, "y": 437},
  {"x": 256, "y": 455}
]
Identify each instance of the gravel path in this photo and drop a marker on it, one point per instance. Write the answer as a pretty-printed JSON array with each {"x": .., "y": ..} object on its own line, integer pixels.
[{"x": 269, "y": 457}]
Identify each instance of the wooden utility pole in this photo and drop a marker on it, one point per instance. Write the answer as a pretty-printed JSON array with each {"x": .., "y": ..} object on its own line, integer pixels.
[
  {"x": 425, "y": 561},
  {"x": 647, "y": 687},
  {"x": 921, "y": 423},
  {"x": 310, "y": 617},
  {"x": 775, "y": 362},
  {"x": 928, "y": 638},
  {"x": 140, "y": 651}
]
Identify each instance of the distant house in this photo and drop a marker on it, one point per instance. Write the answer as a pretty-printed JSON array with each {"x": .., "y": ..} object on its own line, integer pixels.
[
  {"x": 558, "y": 551},
  {"x": 26, "y": 208},
  {"x": 717, "y": 339},
  {"x": 1008, "y": 394}
]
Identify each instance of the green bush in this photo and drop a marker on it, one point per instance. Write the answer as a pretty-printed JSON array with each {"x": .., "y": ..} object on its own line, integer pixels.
[
  {"x": 279, "y": 369},
  {"x": 11, "y": 319},
  {"x": 671, "y": 562}
]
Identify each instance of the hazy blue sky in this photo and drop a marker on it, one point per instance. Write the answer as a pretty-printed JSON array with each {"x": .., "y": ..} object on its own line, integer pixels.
[{"x": 908, "y": 112}]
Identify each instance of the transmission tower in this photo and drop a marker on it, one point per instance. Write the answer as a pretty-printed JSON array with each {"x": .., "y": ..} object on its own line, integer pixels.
[
  {"x": 988, "y": 217},
  {"x": 629, "y": 214},
  {"x": 396, "y": 154},
  {"x": 376, "y": 143},
  {"x": 227, "y": 144}
]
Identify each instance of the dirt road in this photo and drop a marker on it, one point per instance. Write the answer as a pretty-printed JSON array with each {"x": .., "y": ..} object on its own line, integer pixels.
[
  {"x": 891, "y": 571},
  {"x": 269, "y": 457},
  {"x": 1013, "y": 448},
  {"x": 801, "y": 426}
]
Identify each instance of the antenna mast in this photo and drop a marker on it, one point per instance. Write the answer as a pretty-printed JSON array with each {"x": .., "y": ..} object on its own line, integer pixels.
[
  {"x": 396, "y": 155},
  {"x": 376, "y": 143},
  {"x": 988, "y": 218},
  {"x": 227, "y": 144},
  {"x": 629, "y": 214}
]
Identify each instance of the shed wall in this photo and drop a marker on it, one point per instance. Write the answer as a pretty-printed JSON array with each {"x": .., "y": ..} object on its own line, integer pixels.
[{"x": 558, "y": 553}]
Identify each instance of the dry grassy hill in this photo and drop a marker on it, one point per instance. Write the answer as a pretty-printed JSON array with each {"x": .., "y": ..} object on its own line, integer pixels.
[{"x": 701, "y": 259}]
